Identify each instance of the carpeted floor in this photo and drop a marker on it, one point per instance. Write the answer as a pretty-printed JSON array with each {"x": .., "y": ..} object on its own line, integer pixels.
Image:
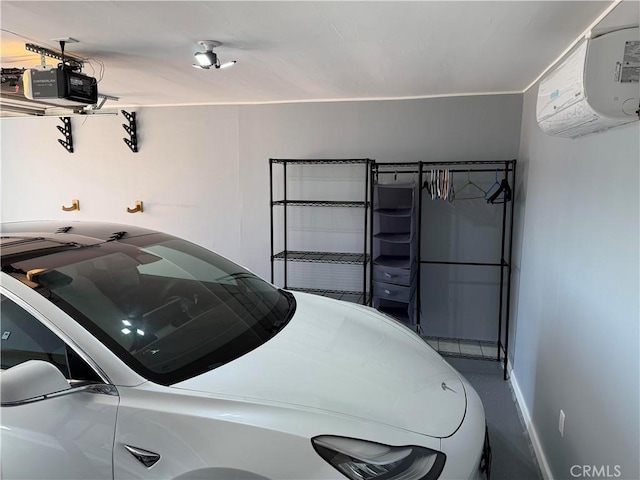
[{"x": 513, "y": 457}]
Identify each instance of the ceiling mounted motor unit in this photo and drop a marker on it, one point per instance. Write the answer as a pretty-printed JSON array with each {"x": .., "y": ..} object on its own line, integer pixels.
[
  {"x": 596, "y": 87},
  {"x": 59, "y": 86}
]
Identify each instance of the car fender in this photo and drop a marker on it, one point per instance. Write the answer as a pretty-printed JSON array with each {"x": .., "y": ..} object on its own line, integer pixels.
[{"x": 193, "y": 431}]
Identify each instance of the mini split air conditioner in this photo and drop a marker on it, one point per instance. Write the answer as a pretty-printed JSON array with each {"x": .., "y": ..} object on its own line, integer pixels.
[
  {"x": 596, "y": 87},
  {"x": 59, "y": 86}
]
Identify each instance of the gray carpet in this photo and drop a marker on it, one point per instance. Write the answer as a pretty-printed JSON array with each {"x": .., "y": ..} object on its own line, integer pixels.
[{"x": 513, "y": 457}]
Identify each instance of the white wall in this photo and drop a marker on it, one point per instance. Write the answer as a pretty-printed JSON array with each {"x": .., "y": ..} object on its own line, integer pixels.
[
  {"x": 186, "y": 173},
  {"x": 577, "y": 295}
]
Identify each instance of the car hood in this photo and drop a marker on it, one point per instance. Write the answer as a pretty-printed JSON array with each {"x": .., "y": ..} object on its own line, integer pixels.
[{"x": 350, "y": 360}]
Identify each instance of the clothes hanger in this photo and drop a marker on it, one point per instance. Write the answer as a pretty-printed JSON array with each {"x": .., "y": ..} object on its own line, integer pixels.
[
  {"x": 481, "y": 193},
  {"x": 430, "y": 184},
  {"x": 496, "y": 184},
  {"x": 439, "y": 185},
  {"x": 426, "y": 184},
  {"x": 452, "y": 193},
  {"x": 503, "y": 194},
  {"x": 446, "y": 184}
]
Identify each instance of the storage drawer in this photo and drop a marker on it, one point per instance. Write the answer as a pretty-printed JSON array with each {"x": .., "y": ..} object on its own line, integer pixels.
[
  {"x": 397, "y": 276},
  {"x": 389, "y": 291}
]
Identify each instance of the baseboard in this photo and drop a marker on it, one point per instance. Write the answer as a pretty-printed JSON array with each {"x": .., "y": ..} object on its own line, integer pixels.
[{"x": 533, "y": 435}]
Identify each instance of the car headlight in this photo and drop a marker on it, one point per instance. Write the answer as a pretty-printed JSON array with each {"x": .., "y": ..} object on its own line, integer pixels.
[{"x": 362, "y": 460}]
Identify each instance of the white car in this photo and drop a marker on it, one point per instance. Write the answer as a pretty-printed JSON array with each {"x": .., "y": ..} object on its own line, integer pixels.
[{"x": 129, "y": 353}]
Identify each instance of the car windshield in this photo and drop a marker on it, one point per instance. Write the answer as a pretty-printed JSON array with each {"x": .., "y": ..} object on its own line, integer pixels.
[{"x": 168, "y": 308}]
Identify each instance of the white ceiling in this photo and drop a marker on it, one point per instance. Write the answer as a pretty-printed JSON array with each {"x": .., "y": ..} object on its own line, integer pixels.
[{"x": 301, "y": 51}]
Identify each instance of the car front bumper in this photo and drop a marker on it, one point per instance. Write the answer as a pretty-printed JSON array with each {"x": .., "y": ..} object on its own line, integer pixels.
[{"x": 487, "y": 456}]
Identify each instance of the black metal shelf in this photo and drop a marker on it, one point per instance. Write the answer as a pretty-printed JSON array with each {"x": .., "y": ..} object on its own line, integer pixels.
[
  {"x": 322, "y": 161},
  {"x": 466, "y": 348},
  {"x": 354, "y": 297},
  {"x": 322, "y": 257},
  {"x": 482, "y": 264},
  {"x": 435, "y": 163},
  {"x": 282, "y": 220},
  {"x": 320, "y": 203}
]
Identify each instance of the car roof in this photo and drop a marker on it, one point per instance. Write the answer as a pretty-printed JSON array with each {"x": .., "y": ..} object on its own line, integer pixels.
[{"x": 18, "y": 238}]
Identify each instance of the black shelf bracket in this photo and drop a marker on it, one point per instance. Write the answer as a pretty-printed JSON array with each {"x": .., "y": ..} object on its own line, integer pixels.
[
  {"x": 131, "y": 129},
  {"x": 67, "y": 143}
]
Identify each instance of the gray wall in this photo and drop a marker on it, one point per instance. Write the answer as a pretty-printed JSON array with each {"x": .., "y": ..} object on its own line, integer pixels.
[
  {"x": 460, "y": 128},
  {"x": 577, "y": 295}
]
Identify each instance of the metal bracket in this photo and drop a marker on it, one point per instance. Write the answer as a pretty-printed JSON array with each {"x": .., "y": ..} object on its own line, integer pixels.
[
  {"x": 104, "y": 99},
  {"x": 67, "y": 143},
  {"x": 131, "y": 129},
  {"x": 42, "y": 51}
]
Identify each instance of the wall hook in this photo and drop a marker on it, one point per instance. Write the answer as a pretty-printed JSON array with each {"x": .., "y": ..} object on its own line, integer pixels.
[
  {"x": 132, "y": 130},
  {"x": 75, "y": 205},
  {"x": 67, "y": 143},
  {"x": 137, "y": 209}
]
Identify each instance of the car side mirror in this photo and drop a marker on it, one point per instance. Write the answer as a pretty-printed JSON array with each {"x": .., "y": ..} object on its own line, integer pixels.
[{"x": 30, "y": 380}]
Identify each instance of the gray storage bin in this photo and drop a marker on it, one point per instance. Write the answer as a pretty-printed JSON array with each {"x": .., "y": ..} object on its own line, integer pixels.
[
  {"x": 389, "y": 291},
  {"x": 397, "y": 276}
]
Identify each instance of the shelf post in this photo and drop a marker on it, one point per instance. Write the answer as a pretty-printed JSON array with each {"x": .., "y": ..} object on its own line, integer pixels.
[
  {"x": 508, "y": 312},
  {"x": 271, "y": 216},
  {"x": 419, "y": 257},
  {"x": 364, "y": 251},
  {"x": 284, "y": 207}
]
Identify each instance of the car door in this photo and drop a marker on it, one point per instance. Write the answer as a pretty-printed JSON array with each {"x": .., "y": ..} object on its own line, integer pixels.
[{"x": 68, "y": 435}]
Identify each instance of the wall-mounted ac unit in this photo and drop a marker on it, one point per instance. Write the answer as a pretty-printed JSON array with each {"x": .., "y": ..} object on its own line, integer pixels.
[{"x": 596, "y": 87}]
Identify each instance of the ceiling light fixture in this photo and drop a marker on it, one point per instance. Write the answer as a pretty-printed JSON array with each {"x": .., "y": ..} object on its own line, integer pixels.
[{"x": 208, "y": 58}]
